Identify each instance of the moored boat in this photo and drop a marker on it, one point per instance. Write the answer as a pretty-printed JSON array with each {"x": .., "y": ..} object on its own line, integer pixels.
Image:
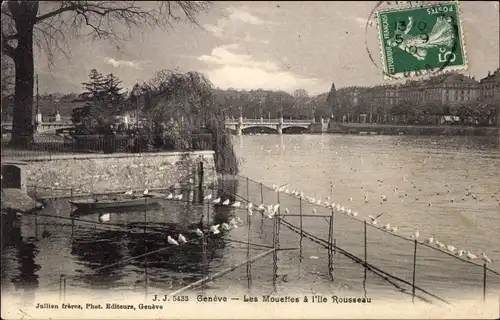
[{"x": 117, "y": 202}]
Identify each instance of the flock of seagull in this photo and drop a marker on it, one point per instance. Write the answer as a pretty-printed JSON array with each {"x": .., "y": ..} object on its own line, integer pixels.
[{"x": 271, "y": 210}]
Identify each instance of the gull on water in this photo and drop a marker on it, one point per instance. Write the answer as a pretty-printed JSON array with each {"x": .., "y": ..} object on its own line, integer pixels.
[
  {"x": 226, "y": 202},
  {"x": 208, "y": 197},
  {"x": 181, "y": 238},
  {"x": 172, "y": 241},
  {"x": 233, "y": 223},
  {"x": 199, "y": 233},
  {"x": 236, "y": 204},
  {"x": 485, "y": 258},
  {"x": 215, "y": 229}
]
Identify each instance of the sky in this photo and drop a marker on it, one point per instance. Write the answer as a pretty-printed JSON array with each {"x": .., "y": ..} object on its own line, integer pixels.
[{"x": 267, "y": 45}]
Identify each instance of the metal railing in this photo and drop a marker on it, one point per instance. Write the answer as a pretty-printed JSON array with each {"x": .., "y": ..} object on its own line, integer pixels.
[
  {"x": 51, "y": 145},
  {"x": 413, "y": 267}
]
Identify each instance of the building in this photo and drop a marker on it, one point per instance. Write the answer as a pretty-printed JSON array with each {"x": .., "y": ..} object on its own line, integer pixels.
[{"x": 489, "y": 86}]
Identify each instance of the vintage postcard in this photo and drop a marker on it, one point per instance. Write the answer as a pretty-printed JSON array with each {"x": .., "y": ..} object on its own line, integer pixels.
[{"x": 250, "y": 160}]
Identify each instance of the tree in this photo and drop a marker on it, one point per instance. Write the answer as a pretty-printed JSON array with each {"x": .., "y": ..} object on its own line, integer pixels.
[
  {"x": 26, "y": 24},
  {"x": 181, "y": 104},
  {"x": 104, "y": 101},
  {"x": 332, "y": 101}
]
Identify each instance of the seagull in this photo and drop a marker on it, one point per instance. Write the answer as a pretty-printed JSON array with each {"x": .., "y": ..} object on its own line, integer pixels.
[
  {"x": 460, "y": 253},
  {"x": 145, "y": 192},
  {"x": 215, "y": 229},
  {"x": 394, "y": 229},
  {"x": 327, "y": 204},
  {"x": 366, "y": 198},
  {"x": 226, "y": 226},
  {"x": 129, "y": 193},
  {"x": 172, "y": 241},
  {"x": 430, "y": 240},
  {"x": 471, "y": 256},
  {"x": 439, "y": 244},
  {"x": 226, "y": 202},
  {"x": 261, "y": 208},
  {"x": 451, "y": 248},
  {"x": 384, "y": 197},
  {"x": 170, "y": 196},
  {"x": 249, "y": 206},
  {"x": 199, "y": 233},
  {"x": 350, "y": 198},
  {"x": 387, "y": 227},
  {"x": 354, "y": 214},
  {"x": 314, "y": 210},
  {"x": 415, "y": 235},
  {"x": 286, "y": 211},
  {"x": 485, "y": 258},
  {"x": 374, "y": 219},
  {"x": 233, "y": 223},
  {"x": 208, "y": 197},
  {"x": 217, "y": 201},
  {"x": 275, "y": 208},
  {"x": 236, "y": 204},
  {"x": 182, "y": 239},
  {"x": 178, "y": 197}
]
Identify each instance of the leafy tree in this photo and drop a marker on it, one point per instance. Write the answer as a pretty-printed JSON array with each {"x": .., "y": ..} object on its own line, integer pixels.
[
  {"x": 104, "y": 101},
  {"x": 181, "y": 104},
  {"x": 44, "y": 24}
]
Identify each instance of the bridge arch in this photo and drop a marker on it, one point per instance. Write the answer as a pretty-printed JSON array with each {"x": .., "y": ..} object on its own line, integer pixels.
[
  {"x": 259, "y": 129},
  {"x": 295, "y": 129}
]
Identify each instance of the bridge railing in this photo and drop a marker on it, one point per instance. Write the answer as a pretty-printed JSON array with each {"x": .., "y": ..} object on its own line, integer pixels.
[
  {"x": 50, "y": 145},
  {"x": 274, "y": 121}
]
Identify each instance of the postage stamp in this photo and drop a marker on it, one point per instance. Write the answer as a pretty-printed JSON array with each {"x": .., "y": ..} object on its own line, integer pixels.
[{"x": 419, "y": 40}]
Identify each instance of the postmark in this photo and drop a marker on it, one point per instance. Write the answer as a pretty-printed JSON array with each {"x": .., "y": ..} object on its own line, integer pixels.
[{"x": 420, "y": 40}]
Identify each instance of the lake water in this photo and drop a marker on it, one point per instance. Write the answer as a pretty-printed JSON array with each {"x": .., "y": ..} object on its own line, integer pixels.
[{"x": 442, "y": 186}]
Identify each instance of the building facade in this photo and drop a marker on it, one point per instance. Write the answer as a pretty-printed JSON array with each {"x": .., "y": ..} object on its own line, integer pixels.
[{"x": 490, "y": 86}]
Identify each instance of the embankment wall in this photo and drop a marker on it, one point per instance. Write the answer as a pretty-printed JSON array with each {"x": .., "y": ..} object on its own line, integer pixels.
[{"x": 116, "y": 172}]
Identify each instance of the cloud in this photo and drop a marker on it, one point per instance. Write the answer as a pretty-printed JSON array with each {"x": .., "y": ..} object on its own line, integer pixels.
[
  {"x": 243, "y": 71},
  {"x": 244, "y": 16},
  {"x": 121, "y": 63}
]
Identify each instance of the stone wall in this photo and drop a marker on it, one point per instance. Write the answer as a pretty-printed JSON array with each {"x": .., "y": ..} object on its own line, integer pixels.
[{"x": 116, "y": 172}]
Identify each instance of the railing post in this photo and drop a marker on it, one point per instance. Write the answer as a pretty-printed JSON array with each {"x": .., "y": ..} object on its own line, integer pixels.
[
  {"x": 71, "y": 193},
  {"x": 365, "y": 242},
  {"x": 414, "y": 270},
  {"x": 261, "y": 194},
  {"x": 484, "y": 282},
  {"x": 248, "y": 192},
  {"x": 201, "y": 175}
]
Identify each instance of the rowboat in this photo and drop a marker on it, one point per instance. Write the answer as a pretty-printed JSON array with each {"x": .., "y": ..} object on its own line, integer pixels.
[{"x": 122, "y": 202}]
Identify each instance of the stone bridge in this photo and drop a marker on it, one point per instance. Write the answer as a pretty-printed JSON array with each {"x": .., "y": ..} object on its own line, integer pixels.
[{"x": 278, "y": 125}]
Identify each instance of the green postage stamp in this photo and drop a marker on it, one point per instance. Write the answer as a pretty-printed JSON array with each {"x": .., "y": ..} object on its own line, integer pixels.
[{"x": 419, "y": 40}]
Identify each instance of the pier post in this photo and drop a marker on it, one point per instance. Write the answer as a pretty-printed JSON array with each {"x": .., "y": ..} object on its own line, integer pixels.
[
  {"x": 484, "y": 282},
  {"x": 364, "y": 233},
  {"x": 414, "y": 270},
  {"x": 201, "y": 175}
]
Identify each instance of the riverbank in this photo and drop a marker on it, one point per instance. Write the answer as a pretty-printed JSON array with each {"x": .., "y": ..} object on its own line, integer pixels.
[{"x": 390, "y": 129}]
